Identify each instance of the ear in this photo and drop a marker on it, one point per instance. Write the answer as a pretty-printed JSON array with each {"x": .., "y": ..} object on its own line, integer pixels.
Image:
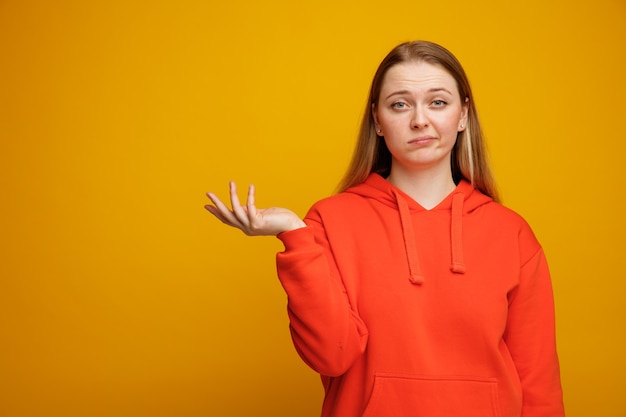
[
  {"x": 375, "y": 116},
  {"x": 464, "y": 115}
]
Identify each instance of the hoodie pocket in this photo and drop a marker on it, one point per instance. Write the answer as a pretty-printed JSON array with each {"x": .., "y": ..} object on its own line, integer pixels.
[{"x": 413, "y": 396}]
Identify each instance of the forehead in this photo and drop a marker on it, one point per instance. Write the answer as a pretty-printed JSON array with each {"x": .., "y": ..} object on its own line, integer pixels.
[{"x": 418, "y": 75}]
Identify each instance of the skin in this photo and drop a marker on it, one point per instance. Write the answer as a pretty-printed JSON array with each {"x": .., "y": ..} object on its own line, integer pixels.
[
  {"x": 251, "y": 220},
  {"x": 419, "y": 113}
]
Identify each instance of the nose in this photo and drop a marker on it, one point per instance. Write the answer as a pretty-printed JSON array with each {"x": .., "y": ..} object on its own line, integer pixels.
[{"x": 418, "y": 119}]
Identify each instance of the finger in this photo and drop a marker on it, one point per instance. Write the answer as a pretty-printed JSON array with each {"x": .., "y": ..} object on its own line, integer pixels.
[
  {"x": 219, "y": 215},
  {"x": 215, "y": 212},
  {"x": 250, "y": 203},
  {"x": 222, "y": 212},
  {"x": 238, "y": 211}
]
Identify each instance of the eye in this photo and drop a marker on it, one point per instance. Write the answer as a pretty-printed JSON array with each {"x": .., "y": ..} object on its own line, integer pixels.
[
  {"x": 439, "y": 103},
  {"x": 399, "y": 105}
]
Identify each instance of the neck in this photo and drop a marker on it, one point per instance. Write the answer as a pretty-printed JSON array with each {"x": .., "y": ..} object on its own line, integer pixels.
[{"x": 427, "y": 187}]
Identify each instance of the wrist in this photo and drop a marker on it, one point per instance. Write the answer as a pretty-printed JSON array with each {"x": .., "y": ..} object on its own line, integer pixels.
[{"x": 296, "y": 224}]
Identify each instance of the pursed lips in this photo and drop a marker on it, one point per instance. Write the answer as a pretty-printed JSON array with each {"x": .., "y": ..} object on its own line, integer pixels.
[{"x": 422, "y": 140}]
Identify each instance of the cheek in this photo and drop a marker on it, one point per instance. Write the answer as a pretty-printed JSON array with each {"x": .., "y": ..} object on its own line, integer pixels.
[
  {"x": 393, "y": 122},
  {"x": 449, "y": 124}
]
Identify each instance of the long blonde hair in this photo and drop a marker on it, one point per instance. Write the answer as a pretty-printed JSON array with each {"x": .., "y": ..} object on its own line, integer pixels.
[{"x": 468, "y": 159}]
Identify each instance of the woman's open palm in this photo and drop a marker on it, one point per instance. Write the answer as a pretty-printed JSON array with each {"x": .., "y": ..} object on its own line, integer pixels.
[{"x": 251, "y": 220}]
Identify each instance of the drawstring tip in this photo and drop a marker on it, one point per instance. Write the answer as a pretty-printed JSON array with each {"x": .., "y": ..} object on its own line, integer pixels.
[
  {"x": 458, "y": 268},
  {"x": 416, "y": 279}
]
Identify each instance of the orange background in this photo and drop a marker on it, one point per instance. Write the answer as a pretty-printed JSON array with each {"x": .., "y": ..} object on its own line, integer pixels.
[{"x": 120, "y": 296}]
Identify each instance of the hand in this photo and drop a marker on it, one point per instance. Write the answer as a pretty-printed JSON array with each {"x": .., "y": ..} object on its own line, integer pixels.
[{"x": 249, "y": 219}]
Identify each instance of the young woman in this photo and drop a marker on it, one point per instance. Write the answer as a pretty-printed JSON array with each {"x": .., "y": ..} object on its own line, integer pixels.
[{"x": 413, "y": 292}]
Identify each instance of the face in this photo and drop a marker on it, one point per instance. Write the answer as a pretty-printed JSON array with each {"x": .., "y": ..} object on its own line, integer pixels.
[{"x": 419, "y": 114}]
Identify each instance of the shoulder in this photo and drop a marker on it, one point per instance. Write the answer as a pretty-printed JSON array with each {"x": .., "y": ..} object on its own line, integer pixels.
[
  {"x": 504, "y": 215},
  {"x": 337, "y": 205},
  {"x": 506, "y": 221},
  {"x": 338, "y": 200},
  {"x": 485, "y": 212}
]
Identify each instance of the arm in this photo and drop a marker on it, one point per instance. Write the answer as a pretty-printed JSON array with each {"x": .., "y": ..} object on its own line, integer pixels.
[
  {"x": 326, "y": 331},
  {"x": 530, "y": 337}
]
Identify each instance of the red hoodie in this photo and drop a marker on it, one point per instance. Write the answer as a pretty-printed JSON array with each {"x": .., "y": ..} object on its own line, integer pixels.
[{"x": 408, "y": 312}]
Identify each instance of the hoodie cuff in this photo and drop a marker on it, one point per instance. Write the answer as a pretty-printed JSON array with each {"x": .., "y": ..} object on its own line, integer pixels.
[{"x": 297, "y": 238}]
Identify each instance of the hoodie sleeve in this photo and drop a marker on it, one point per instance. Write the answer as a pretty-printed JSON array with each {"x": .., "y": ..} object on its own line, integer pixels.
[
  {"x": 530, "y": 337},
  {"x": 326, "y": 331}
]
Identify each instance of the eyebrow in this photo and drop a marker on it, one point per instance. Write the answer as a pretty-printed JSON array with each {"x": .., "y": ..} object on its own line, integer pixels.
[{"x": 431, "y": 90}]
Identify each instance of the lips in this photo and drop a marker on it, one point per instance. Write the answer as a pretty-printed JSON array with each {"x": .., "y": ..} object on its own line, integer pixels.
[{"x": 422, "y": 140}]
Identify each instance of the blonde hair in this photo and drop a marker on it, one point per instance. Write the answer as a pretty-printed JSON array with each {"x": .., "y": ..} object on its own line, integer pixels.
[{"x": 469, "y": 156}]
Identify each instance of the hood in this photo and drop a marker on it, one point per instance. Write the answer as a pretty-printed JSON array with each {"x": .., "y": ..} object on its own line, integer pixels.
[{"x": 463, "y": 200}]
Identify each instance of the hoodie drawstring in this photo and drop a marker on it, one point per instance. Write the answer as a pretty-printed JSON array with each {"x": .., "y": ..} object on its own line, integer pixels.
[
  {"x": 415, "y": 269},
  {"x": 456, "y": 234},
  {"x": 456, "y": 237}
]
